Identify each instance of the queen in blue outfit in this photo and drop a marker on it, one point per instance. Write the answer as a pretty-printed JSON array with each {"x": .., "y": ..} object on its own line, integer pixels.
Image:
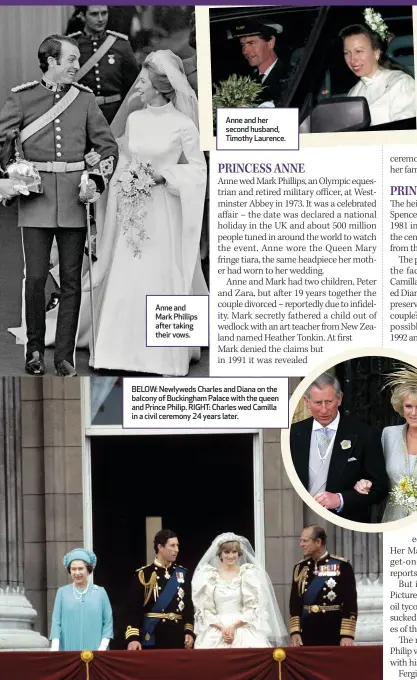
[{"x": 82, "y": 616}]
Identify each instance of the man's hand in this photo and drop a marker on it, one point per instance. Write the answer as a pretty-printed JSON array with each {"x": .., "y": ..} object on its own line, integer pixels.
[
  {"x": 296, "y": 640},
  {"x": 363, "y": 486},
  {"x": 7, "y": 189},
  {"x": 89, "y": 194},
  {"x": 328, "y": 500},
  {"x": 134, "y": 645},
  {"x": 92, "y": 158},
  {"x": 346, "y": 642},
  {"x": 189, "y": 641}
]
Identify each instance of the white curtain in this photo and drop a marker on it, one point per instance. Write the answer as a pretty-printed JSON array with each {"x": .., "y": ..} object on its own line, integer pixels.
[{"x": 22, "y": 29}]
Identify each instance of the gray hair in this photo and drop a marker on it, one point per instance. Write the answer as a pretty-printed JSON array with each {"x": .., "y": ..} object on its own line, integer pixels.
[{"x": 324, "y": 380}]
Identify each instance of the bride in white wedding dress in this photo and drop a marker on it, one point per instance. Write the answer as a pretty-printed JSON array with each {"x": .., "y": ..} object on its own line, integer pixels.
[
  {"x": 163, "y": 133},
  {"x": 156, "y": 124},
  {"x": 234, "y": 600}
]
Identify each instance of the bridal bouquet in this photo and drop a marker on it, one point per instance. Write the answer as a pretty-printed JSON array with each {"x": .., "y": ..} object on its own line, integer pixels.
[
  {"x": 236, "y": 91},
  {"x": 404, "y": 494},
  {"x": 134, "y": 188}
]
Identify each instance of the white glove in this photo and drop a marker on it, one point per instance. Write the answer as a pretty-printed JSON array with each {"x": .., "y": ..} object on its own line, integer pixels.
[
  {"x": 55, "y": 645},
  {"x": 104, "y": 644}
]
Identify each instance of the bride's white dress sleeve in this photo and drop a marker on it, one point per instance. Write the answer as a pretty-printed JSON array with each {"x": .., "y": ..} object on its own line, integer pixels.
[
  {"x": 205, "y": 614},
  {"x": 253, "y": 609},
  {"x": 187, "y": 179}
]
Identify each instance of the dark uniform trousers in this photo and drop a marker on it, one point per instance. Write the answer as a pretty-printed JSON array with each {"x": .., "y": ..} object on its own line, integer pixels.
[
  {"x": 37, "y": 245},
  {"x": 56, "y": 211},
  {"x": 330, "y": 613}
]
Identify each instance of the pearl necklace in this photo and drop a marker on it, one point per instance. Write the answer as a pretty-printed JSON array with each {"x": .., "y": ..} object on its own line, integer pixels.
[{"x": 79, "y": 594}]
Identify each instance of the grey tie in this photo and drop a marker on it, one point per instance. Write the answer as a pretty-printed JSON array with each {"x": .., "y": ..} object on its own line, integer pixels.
[{"x": 323, "y": 440}]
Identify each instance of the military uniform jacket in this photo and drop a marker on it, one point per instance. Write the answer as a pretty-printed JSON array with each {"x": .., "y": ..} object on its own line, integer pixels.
[
  {"x": 333, "y": 611},
  {"x": 143, "y": 596},
  {"x": 272, "y": 85},
  {"x": 115, "y": 72},
  {"x": 69, "y": 137}
]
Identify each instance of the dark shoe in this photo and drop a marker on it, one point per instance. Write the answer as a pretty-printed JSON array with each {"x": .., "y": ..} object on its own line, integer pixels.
[
  {"x": 65, "y": 369},
  {"x": 53, "y": 301},
  {"x": 35, "y": 364}
]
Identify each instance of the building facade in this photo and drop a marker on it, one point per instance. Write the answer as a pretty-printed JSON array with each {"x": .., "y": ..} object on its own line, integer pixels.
[{"x": 70, "y": 475}]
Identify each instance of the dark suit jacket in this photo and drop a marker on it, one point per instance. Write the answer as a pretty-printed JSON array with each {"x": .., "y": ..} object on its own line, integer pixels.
[
  {"x": 273, "y": 84},
  {"x": 365, "y": 447}
]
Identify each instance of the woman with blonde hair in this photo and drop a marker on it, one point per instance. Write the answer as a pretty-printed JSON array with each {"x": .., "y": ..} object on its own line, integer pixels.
[{"x": 399, "y": 442}]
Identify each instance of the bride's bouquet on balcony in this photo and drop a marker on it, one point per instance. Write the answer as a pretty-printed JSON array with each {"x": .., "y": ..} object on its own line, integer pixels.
[
  {"x": 404, "y": 494},
  {"x": 134, "y": 188}
]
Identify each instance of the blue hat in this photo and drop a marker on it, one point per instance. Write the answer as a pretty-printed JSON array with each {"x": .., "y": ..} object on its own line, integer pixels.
[{"x": 80, "y": 554}]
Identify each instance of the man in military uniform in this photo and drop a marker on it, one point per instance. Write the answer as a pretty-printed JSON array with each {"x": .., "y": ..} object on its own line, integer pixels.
[
  {"x": 161, "y": 609},
  {"x": 323, "y": 601},
  {"x": 258, "y": 42},
  {"x": 108, "y": 65},
  {"x": 59, "y": 123}
]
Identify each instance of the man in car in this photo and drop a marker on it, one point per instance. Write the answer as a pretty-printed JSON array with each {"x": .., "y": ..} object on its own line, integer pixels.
[{"x": 258, "y": 42}]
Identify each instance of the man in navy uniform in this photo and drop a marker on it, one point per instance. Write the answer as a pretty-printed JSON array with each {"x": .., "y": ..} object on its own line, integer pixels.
[
  {"x": 108, "y": 65},
  {"x": 161, "y": 610},
  {"x": 59, "y": 123},
  {"x": 259, "y": 43},
  {"x": 323, "y": 600}
]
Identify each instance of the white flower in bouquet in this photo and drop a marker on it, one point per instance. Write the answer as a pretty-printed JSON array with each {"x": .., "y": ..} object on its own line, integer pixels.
[
  {"x": 135, "y": 186},
  {"x": 404, "y": 494}
]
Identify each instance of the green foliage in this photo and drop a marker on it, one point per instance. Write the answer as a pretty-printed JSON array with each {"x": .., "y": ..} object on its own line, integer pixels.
[{"x": 236, "y": 91}]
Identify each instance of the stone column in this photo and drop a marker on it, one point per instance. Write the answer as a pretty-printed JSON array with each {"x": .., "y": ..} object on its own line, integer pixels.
[
  {"x": 364, "y": 551},
  {"x": 17, "y": 615}
]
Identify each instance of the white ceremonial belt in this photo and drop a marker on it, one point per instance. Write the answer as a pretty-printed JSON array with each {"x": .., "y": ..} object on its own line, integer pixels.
[
  {"x": 59, "y": 166},
  {"x": 108, "y": 100}
]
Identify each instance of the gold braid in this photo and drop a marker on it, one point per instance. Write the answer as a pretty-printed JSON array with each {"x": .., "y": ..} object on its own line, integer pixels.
[
  {"x": 148, "y": 586},
  {"x": 299, "y": 577}
]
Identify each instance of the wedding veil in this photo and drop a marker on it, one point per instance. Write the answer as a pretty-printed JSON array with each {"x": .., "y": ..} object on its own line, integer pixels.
[
  {"x": 277, "y": 634},
  {"x": 164, "y": 62}
]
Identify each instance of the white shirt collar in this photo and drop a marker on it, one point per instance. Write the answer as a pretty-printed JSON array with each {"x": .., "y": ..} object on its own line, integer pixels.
[
  {"x": 331, "y": 426},
  {"x": 268, "y": 70}
]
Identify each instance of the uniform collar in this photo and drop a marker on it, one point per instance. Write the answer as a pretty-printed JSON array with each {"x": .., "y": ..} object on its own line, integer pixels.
[
  {"x": 53, "y": 87},
  {"x": 323, "y": 557},
  {"x": 96, "y": 37},
  {"x": 159, "y": 564}
]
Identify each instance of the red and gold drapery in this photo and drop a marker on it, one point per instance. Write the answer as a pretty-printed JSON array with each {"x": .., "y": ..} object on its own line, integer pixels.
[{"x": 308, "y": 663}]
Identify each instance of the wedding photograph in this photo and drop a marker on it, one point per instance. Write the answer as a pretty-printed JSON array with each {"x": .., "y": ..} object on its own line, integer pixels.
[
  {"x": 80, "y": 572},
  {"x": 345, "y": 68},
  {"x": 353, "y": 440},
  {"x": 103, "y": 187}
]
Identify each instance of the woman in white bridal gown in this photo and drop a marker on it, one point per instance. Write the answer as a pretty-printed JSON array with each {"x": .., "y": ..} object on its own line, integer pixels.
[
  {"x": 163, "y": 133},
  {"x": 233, "y": 597},
  {"x": 156, "y": 123}
]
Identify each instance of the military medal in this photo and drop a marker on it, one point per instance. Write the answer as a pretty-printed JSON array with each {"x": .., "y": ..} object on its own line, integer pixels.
[
  {"x": 180, "y": 576},
  {"x": 112, "y": 59}
]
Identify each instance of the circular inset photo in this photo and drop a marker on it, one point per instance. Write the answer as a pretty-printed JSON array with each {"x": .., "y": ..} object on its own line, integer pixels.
[{"x": 351, "y": 451}]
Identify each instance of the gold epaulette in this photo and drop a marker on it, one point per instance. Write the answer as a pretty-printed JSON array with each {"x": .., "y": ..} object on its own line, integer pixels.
[
  {"x": 72, "y": 35},
  {"x": 118, "y": 35},
  {"x": 83, "y": 87},
  {"x": 144, "y": 567},
  {"x": 305, "y": 559},
  {"x": 336, "y": 557},
  {"x": 25, "y": 86}
]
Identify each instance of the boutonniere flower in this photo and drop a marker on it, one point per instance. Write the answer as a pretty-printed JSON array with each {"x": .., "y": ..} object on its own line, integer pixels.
[{"x": 345, "y": 444}]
